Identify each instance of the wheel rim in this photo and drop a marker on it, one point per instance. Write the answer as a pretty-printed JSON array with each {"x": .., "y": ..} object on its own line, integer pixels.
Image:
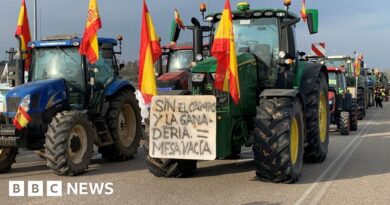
[
  {"x": 323, "y": 118},
  {"x": 127, "y": 125},
  {"x": 4, "y": 153},
  {"x": 294, "y": 140},
  {"x": 77, "y": 144}
]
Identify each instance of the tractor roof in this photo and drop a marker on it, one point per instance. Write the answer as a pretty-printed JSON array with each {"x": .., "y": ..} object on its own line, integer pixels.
[
  {"x": 66, "y": 41},
  {"x": 255, "y": 13},
  {"x": 178, "y": 47}
]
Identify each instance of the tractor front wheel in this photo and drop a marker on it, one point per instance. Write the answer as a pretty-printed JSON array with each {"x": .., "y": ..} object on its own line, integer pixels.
[
  {"x": 278, "y": 142},
  {"x": 125, "y": 125},
  {"x": 344, "y": 123},
  {"x": 7, "y": 158},
  {"x": 69, "y": 143}
]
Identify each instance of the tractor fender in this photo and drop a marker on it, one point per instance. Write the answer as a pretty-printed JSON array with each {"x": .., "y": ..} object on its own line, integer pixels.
[
  {"x": 311, "y": 72},
  {"x": 291, "y": 93},
  {"x": 118, "y": 85}
]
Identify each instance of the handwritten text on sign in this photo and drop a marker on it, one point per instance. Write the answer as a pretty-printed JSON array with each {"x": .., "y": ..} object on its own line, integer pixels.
[{"x": 183, "y": 127}]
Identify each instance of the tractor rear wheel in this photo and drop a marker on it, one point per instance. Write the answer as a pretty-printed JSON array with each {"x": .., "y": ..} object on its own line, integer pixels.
[
  {"x": 354, "y": 116},
  {"x": 361, "y": 101},
  {"x": 344, "y": 123},
  {"x": 69, "y": 143},
  {"x": 317, "y": 121},
  {"x": 125, "y": 125},
  {"x": 7, "y": 158},
  {"x": 171, "y": 168},
  {"x": 278, "y": 142}
]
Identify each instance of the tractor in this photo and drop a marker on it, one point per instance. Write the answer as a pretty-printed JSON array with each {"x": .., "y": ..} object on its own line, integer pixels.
[
  {"x": 283, "y": 112},
  {"x": 73, "y": 105},
  {"x": 176, "y": 65},
  {"x": 357, "y": 84},
  {"x": 343, "y": 108}
]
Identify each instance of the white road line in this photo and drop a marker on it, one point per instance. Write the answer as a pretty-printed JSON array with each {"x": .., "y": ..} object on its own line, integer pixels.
[
  {"x": 330, "y": 167},
  {"x": 330, "y": 181}
]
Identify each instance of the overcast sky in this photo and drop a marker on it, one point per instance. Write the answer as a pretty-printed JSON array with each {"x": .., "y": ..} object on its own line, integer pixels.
[{"x": 345, "y": 25}]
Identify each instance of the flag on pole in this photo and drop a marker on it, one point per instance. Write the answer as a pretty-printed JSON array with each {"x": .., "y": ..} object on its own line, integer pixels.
[
  {"x": 303, "y": 11},
  {"x": 89, "y": 45},
  {"x": 178, "y": 20},
  {"x": 177, "y": 26},
  {"x": 358, "y": 60},
  {"x": 150, "y": 51},
  {"x": 23, "y": 35},
  {"x": 226, "y": 77},
  {"x": 22, "y": 118}
]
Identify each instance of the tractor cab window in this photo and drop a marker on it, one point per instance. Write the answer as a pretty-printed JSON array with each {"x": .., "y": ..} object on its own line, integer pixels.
[
  {"x": 180, "y": 60},
  {"x": 343, "y": 84},
  {"x": 105, "y": 70},
  {"x": 58, "y": 62},
  {"x": 332, "y": 79},
  {"x": 261, "y": 36}
]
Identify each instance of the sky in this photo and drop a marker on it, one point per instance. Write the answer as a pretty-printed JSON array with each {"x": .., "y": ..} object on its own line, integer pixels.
[{"x": 345, "y": 25}]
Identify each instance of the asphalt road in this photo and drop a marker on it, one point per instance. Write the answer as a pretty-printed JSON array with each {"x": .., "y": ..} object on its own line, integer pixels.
[{"x": 356, "y": 171}]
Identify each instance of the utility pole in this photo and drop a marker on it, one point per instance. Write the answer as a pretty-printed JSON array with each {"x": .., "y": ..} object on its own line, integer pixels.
[{"x": 35, "y": 20}]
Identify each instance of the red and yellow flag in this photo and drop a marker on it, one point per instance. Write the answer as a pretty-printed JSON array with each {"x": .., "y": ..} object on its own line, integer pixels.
[
  {"x": 358, "y": 64},
  {"x": 23, "y": 34},
  {"x": 226, "y": 77},
  {"x": 303, "y": 11},
  {"x": 150, "y": 51},
  {"x": 178, "y": 20},
  {"x": 21, "y": 119},
  {"x": 89, "y": 45}
]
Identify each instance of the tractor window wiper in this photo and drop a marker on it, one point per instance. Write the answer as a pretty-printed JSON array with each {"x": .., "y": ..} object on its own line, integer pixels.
[{"x": 66, "y": 53}]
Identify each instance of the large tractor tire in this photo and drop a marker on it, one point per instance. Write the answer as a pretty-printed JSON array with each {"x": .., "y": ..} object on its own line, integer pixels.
[
  {"x": 7, "y": 158},
  {"x": 279, "y": 138},
  {"x": 344, "y": 125},
  {"x": 361, "y": 101},
  {"x": 69, "y": 143},
  {"x": 317, "y": 121},
  {"x": 170, "y": 168},
  {"x": 354, "y": 116},
  {"x": 125, "y": 125}
]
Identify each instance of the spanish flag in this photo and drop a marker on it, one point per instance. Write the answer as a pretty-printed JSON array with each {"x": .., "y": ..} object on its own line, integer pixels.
[
  {"x": 303, "y": 11},
  {"x": 150, "y": 51},
  {"x": 89, "y": 45},
  {"x": 226, "y": 77},
  {"x": 23, "y": 34},
  {"x": 21, "y": 119},
  {"x": 358, "y": 64}
]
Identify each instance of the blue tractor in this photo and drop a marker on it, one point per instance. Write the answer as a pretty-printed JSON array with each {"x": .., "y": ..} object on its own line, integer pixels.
[{"x": 73, "y": 105}]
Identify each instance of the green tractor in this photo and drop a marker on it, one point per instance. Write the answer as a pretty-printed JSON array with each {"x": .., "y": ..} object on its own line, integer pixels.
[{"x": 283, "y": 113}]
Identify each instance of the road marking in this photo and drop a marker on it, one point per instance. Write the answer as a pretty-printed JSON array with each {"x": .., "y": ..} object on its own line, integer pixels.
[
  {"x": 327, "y": 185},
  {"x": 330, "y": 167}
]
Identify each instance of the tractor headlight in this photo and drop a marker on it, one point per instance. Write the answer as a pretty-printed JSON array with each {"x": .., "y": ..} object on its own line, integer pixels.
[{"x": 25, "y": 104}]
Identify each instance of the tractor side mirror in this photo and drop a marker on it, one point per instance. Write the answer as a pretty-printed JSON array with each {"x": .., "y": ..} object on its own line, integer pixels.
[
  {"x": 312, "y": 20},
  {"x": 107, "y": 51},
  {"x": 121, "y": 66}
]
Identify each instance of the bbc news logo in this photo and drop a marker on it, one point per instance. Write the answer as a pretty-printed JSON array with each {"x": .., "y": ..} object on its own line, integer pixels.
[{"x": 56, "y": 188}]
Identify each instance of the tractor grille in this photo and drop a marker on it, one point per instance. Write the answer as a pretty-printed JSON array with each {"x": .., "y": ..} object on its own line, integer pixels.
[{"x": 13, "y": 104}]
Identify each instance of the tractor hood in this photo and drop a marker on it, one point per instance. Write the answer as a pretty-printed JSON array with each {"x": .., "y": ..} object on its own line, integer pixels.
[
  {"x": 209, "y": 65},
  {"x": 36, "y": 87},
  {"x": 44, "y": 94},
  {"x": 174, "y": 80}
]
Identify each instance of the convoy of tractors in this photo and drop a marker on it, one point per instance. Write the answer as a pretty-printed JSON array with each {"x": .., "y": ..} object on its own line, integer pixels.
[{"x": 288, "y": 102}]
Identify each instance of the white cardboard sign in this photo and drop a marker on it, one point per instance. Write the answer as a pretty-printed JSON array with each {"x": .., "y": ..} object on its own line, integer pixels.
[{"x": 183, "y": 127}]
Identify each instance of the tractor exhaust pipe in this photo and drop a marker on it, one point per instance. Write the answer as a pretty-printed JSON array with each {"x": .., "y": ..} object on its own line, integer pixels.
[{"x": 197, "y": 38}]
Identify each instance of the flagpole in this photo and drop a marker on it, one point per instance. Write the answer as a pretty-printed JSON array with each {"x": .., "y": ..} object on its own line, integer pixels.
[{"x": 35, "y": 20}]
